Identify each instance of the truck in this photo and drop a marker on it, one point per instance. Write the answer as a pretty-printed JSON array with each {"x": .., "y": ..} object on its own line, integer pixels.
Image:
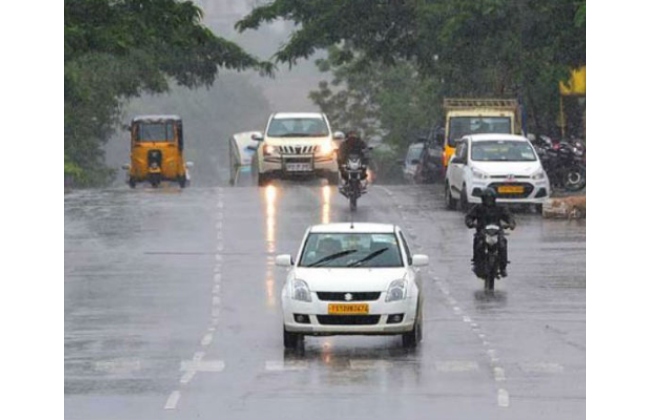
[{"x": 476, "y": 116}]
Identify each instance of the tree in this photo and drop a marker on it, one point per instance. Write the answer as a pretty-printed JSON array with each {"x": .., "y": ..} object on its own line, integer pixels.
[
  {"x": 119, "y": 49},
  {"x": 498, "y": 48}
]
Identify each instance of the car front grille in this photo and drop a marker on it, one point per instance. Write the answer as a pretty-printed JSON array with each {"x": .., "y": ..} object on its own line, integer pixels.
[
  {"x": 352, "y": 296},
  {"x": 297, "y": 160},
  {"x": 298, "y": 150},
  {"x": 348, "y": 319}
]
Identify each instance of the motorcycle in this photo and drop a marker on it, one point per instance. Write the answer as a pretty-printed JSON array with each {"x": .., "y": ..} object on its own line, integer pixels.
[
  {"x": 564, "y": 164},
  {"x": 487, "y": 267},
  {"x": 354, "y": 188}
]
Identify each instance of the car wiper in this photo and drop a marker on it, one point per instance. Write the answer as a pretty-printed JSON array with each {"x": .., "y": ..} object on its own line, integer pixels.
[
  {"x": 332, "y": 257},
  {"x": 367, "y": 257}
]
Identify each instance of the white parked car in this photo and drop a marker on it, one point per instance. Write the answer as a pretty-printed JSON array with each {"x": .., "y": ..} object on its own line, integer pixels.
[
  {"x": 353, "y": 279},
  {"x": 296, "y": 145},
  {"x": 506, "y": 162}
]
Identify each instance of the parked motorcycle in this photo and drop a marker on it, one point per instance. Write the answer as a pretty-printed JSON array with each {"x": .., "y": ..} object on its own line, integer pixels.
[
  {"x": 355, "y": 187},
  {"x": 487, "y": 267},
  {"x": 564, "y": 163}
]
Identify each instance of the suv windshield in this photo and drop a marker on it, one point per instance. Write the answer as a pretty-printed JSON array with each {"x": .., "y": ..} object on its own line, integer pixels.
[
  {"x": 344, "y": 250},
  {"x": 502, "y": 151},
  {"x": 297, "y": 127},
  {"x": 461, "y": 126}
]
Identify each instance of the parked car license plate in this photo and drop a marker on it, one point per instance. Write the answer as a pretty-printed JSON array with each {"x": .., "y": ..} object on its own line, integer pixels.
[
  {"x": 347, "y": 308},
  {"x": 298, "y": 167},
  {"x": 511, "y": 189}
]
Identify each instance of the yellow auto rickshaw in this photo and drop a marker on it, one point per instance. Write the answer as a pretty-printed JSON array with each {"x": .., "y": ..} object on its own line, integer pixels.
[{"x": 157, "y": 151}]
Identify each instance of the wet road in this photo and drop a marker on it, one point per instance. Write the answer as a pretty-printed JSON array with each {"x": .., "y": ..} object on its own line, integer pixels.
[{"x": 172, "y": 311}]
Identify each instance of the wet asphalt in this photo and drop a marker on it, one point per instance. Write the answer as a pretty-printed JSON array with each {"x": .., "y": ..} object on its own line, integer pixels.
[{"x": 173, "y": 311}]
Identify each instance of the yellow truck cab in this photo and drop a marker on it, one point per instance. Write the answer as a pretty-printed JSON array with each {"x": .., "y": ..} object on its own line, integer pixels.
[
  {"x": 157, "y": 151},
  {"x": 478, "y": 115}
]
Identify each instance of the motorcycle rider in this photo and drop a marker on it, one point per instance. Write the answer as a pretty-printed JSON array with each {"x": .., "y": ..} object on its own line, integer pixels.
[
  {"x": 353, "y": 144},
  {"x": 488, "y": 213}
]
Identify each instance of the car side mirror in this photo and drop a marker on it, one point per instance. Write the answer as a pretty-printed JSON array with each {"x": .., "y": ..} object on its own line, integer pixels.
[
  {"x": 284, "y": 260},
  {"x": 338, "y": 135},
  {"x": 257, "y": 136},
  {"x": 419, "y": 260},
  {"x": 126, "y": 167}
]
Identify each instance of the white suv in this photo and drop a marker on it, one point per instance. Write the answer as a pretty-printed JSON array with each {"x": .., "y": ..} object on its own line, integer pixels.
[
  {"x": 508, "y": 163},
  {"x": 296, "y": 145}
]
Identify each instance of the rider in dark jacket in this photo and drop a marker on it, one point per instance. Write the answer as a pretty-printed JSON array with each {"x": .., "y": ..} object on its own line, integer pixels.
[
  {"x": 485, "y": 214},
  {"x": 352, "y": 145}
]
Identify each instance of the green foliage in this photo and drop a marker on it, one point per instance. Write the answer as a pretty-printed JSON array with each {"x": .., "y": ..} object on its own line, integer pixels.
[
  {"x": 496, "y": 48},
  {"x": 119, "y": 49}
]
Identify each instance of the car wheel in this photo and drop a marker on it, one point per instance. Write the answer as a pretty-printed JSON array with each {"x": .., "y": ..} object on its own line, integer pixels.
[
  {"x": 333, "y": 178},
  {"x": 450, "y": 202},
  {"x": 262, "y": 180},
  {"x": 131, "y": 182},
  {"x": 464, "y": 204},
  {"x": 182, "y": 181},
  {"x": 412, "y": 339},
  {"x": 293, "y": 341}
]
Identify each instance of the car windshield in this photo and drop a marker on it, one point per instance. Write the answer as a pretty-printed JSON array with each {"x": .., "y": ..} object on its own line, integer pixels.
[
  {"x": 502, "y": 151},
  {"x": 341, "y": 250},
  {"x": 297, "y": 127},
  {"x": 461, "y": 126},
  {"x": 414, "y": 152},
  {"x": 158, "y": 131}
]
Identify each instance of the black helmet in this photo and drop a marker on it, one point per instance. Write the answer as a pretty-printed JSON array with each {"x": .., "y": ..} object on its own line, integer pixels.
[
  {"x": 352, "y": 134},
  {"x": 489, "y": 196}
]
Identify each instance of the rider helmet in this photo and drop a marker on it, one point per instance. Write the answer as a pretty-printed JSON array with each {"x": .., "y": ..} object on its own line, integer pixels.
[{"x": 489, "y": 196}]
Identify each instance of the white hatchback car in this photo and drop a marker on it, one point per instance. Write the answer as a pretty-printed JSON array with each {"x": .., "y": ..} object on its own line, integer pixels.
[
  {"x": 297, "y": 145},
  {"x": 353, "y": 279},
  {"x": 508, "y": 163}
]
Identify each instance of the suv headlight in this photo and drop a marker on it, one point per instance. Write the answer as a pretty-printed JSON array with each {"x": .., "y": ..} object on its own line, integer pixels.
[
  {"x": 479, "y": 174},
  {"x": 539, "y": 175},
  {"x": 326, "y": 148},
  {"x": 268, "y": 149},
  {"x": 396, "y": 291},
  {"x": 300, "y": 291}
]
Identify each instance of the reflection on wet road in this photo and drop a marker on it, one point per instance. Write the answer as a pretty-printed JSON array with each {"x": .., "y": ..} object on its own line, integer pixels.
[{"x": 172, "y": 310}]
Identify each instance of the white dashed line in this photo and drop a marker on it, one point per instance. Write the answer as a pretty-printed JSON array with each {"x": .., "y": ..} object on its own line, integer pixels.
[
  {"x": 456, "y": 366},
  {"x": 542, "y": 367},
  {"x": 503, "y": 398},
  {"x": 206, "y": 340},
  {"x": 499, "y": 374},
  {"x": 172, "y": 401}
]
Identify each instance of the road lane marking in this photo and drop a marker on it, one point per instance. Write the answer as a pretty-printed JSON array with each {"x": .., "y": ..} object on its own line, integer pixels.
[
  {"x": 281, "y": 365},
  {"x": 206, "y": 340},
  {"x": 456, "y": 366},
  {"x": 542, "y": 367},
  {"x": 202, "y": 365},
  {"x": 499, "y": 374},
  {"x": 503, "y": 398},
  {"x": 365, "y": 364},
  {"x": 216, "y": 301},
  {"x": 172, "y": 401}
]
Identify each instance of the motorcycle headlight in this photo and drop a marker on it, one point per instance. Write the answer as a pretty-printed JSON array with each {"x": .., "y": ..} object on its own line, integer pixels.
[
  {"x": 301, "y": 291},
  {"x": 539, "y": 175},
  {"x": 479, "y": 174},
  {"x": 396, "y": 291},
  {"x": 491, "y": 239}
]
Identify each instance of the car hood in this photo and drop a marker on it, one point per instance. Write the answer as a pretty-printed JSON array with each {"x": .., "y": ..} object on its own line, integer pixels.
[
  {"x": 508, "y": 168},
  {"x": 279, "y": 141},
  {"x": 349, "y": 279}
]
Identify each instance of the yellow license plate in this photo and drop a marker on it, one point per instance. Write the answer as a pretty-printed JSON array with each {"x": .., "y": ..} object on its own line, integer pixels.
[
  {"x": 511, "y": 189},
  {"x": 347, "y": 308}
]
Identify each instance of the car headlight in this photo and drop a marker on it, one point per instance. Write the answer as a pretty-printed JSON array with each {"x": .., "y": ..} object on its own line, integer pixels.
[
  {"x": 479, "y": 174},
  {"x": 396, "y": 291},
  {"x": 539, "y": 175},
  {"x": 326, "y": 148},
  {"x": 301, "y": 291},
  {"x": 268, "y": 149}
]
